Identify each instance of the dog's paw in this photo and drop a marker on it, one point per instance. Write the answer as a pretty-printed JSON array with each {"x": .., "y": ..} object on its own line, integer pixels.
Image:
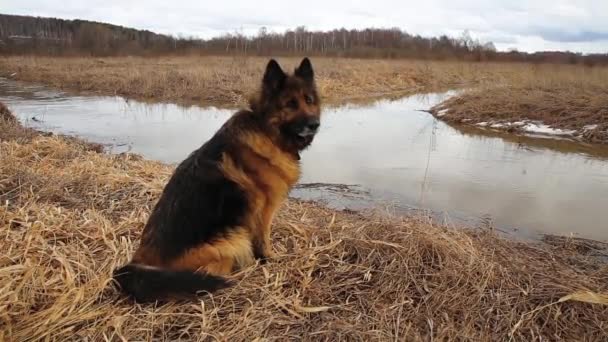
[{"x": 267, "y": 255}]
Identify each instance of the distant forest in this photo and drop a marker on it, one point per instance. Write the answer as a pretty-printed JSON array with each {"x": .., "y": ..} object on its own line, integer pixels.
[{"x": 50, "y": 36}]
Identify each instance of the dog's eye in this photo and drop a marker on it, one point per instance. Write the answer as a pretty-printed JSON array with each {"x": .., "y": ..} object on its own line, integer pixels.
[
  {"x": 308, "y": 99},
  {"x": 293, "y": 104}
]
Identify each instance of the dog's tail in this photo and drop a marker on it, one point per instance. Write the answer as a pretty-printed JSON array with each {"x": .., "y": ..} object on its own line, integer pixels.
[{"x": 146, "y": 283}]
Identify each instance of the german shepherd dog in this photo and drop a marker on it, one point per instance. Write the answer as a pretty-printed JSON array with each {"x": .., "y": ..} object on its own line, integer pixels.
[{"x": 215, "y": 213}]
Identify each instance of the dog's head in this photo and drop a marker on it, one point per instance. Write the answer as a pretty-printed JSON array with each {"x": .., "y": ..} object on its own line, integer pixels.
[{"x": 289, "y": 105}]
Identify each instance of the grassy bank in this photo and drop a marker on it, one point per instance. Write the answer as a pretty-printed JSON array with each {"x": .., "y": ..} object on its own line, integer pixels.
[
  {"x": 70, "y": 215},
  {"x": 229, "y": 81},
  {"x": 572, "y": 100}
]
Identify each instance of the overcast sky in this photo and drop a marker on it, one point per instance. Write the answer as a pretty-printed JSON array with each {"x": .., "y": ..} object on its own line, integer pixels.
[{"x": 528, "y": 25}]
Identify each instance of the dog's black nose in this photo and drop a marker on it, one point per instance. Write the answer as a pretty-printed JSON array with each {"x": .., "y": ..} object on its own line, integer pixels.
[{"x": 313, "y": 124}]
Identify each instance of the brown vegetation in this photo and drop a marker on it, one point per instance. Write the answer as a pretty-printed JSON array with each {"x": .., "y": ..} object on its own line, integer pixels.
[
  {"x": 562, "y": 97},
  {"x": 69, "y": 216},
  {"x": 229, "y": 81},
  {"x": 5, "y": 114},
  {"x": 10, "y": 129}
]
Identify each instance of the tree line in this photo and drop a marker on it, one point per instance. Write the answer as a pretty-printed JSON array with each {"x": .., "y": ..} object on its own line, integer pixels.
[{"x": 50, "y": 36}]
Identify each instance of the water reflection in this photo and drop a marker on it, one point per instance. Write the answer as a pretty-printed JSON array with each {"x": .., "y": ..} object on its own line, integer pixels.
[{"x": 390, "y": 152}]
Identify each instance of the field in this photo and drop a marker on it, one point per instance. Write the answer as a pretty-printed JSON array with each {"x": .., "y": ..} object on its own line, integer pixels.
[
  {"x": 229, "y": 81},
  {"x": 70, "y": 215},
  {"x": 512, "y": 97},
  {"x": 573, "y": 99}
]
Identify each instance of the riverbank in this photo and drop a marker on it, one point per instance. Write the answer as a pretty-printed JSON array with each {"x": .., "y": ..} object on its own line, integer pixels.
[
  {"x": 70, "y": 215},
  {"x": 229, "y": 81},
  {"x": 567, "y": 101},
  {"x": 546, "y": 99}
]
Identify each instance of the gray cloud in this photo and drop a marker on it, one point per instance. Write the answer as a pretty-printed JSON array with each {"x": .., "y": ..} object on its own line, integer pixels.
[
  {"x": 571, "y": 37},
  {"x": 577, "y": 25}
]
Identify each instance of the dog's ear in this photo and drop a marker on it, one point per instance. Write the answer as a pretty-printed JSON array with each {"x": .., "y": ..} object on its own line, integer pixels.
[
  {"x": 304, "y": 71},
  {"x": 274, "y": 77}
]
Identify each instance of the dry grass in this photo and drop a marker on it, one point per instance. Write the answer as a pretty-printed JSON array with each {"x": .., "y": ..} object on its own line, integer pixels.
[
  {"x": 229, "y": 81},
  {"x": 561, "y": 96},
  {"x": 70, "y": 215},
  {"x": 6, "y": 115},
  {"x": 10, "y": 127}
]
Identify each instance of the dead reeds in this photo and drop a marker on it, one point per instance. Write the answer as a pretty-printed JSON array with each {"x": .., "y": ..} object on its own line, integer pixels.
[
  {"x": 560, "y": 96},
  {"x": 70, "y": 215},
  {"x": 229, "y": 81},
  {"x": 571, "y": 97}
]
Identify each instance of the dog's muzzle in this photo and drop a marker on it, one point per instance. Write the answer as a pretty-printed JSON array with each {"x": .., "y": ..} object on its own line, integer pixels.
[
  {"x": 309, "y": 127},
  {"x": 302, "y": 131}
]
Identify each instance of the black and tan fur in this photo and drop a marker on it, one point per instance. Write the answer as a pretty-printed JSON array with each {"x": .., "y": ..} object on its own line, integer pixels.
[{"x": 215, "y": 213}]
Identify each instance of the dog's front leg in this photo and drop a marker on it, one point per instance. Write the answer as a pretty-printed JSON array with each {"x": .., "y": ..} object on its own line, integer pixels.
[{"x": 262, "y": 244}]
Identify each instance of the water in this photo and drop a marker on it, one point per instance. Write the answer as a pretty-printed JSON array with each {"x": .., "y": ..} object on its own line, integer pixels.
[{"x": 388, "y": 153}]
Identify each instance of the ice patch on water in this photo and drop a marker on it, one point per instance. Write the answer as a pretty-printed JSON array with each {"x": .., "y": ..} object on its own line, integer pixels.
[
  {"x": 530, "y": 127},
  {"x": 590, "y": 127},
  {"x": 545, "y": 129},
  {"x": 442, "y": 112}
]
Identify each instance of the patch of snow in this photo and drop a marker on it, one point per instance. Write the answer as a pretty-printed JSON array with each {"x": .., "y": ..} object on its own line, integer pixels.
[
  {"x": 482, "y": 124},
  {"x": 545, "y": 129},
  {"x": 518, "y": 123},
  {"x": 442, "y": 112},
  {"x": 498, "y": 125},
  {"x": 590, "y": 127}
]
